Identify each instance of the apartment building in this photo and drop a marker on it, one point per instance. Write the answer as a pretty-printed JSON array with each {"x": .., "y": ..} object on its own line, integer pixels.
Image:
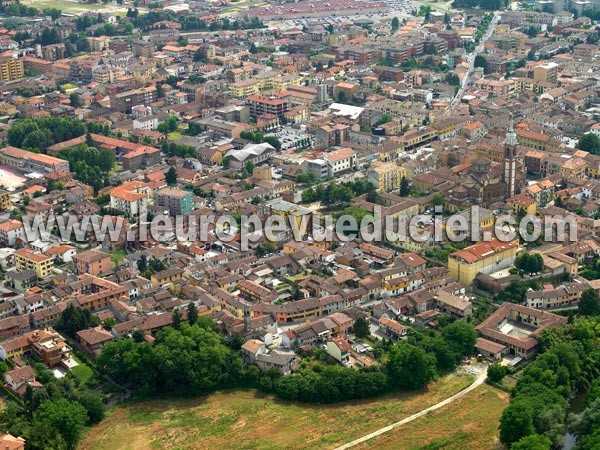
[
  {"x": 10, "y": 232},
  {"x": 124, "y": 101},
  {"x": 516, "y": 328},
  {"x": 262, "y": 104},
  {"x": 92, "y": 262},
  {"x": 496, "y": 88},
  {"x": 11, "y": 69},
  {"x": 176, "y": 201},
  {"x": 332, "y": 135},
  {"x": 341, "y": 160},
  {"x": 26, "y": 258},
  {"x": 131, "y": 198},
  {"x": 386, "y": 176}
]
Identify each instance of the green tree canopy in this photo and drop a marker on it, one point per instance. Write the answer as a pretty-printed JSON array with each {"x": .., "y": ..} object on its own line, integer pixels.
[
  {"x": 409, "y": 366},
  {"x": 589, "y": 142},
  {"x": 589, "y": 303},
  {"x": 361, "y": 327}
]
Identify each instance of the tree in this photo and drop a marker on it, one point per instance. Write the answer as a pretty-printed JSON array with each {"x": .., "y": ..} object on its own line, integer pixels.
[
  {"x": 496, "y": 372},
  {"x": 192, "y": 313},
  {"x": 62, "y": 416},
  {"x": 395, "y": 24},
  {"x": 589, "y": 303},
  {"x": 516, "y": 422},
  {"x": 409, "y": 366},
  {"x": 74, "y": 319},
  {"x": 533, "y": 442},
  {"x": 309, "y": 195},
  {"x": 361, "y": 328},
  {"x": 404, "y": 187},
  {"x": 480, "y": 61},
  {"x": 342, "y": 97},
  {"x": 142, "y": 264},
  {"x": 559, "y": 202},
  {"x": 160, "y": 92},
  {"x": 461, "y": 336},
  {"x": 530, "y": 262},
  {"x": 319, "y": 67},
  {"x": 176, "y": 318},
  {"x": 589, "y": 142},
  {"x": 171, "y": 176},
  {"x": 96, "y": 410},
  {"x": 75, "y": 100},
  {"x": 437, "y": 199}
]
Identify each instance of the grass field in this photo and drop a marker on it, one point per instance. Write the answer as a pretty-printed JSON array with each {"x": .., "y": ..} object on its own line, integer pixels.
[
  {"x": 74, "y": 7},
  {"x": 470, "y": 422},
  {"x": 250, "y": 420},
  {"x": 82, "y": 371},
  {"x": 117, "y": 256}
]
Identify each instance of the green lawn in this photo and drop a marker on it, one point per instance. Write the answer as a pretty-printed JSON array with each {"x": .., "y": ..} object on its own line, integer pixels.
[
  {"x": 117, "y": 256},
  {"x": 82, "y": 371},
  {"x": 68, "y": 86},
  {"x": 175, "y": 135},
  {"x": 74, "y": 7}
]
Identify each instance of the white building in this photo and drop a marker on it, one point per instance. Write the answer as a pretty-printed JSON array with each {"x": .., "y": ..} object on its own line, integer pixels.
[{"x": 341, "y": 160}]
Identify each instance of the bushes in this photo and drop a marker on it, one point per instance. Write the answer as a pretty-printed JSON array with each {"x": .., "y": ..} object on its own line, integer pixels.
[
  {"x": 193, "y": 359},
  {"x": 410, "y": 367},
  {"x": 190, "y": 360},
  {"x": 496, "y": 372},
  {"x": 332, "y": 384}
]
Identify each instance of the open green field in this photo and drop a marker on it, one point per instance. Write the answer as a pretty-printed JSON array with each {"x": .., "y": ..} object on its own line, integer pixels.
[
  {"x": 471, "y": 422},
  {"x": 82, "y": 371},
  {"x": 74, "y": 7},
  {"x": 246, "y": 419}
]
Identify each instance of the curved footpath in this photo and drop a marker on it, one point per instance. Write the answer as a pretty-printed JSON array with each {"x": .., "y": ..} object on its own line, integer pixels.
[{"x": 478, "y": 382}]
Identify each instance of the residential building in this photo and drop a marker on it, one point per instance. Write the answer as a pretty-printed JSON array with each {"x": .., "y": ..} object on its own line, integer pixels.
[
  {"x": 386, "y": 176},
  {"x": 339, "y": 349},
  {"x": 26, "y": 259},
  {"x": 92, "y": 340},
  {"x": 92, "y": 262},
  {"x": 131, "y": 198},
  {"x": 5, "y": 202},
  {"x": 47, "y": 345},
  {"x": 339, "y": 161},
  {"x": 176, "y": 201},
  {"x": 517, "y": 328},
  {"x": 10, "y": 232},
  {"x": 9, "y": 442},
  {"x": 11, "y": 69},
  {"x": 483, "y": 257}
]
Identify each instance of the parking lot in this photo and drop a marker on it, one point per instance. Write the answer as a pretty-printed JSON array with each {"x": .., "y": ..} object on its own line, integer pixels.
[
  {"x": 398, "y": 8},
  {"x": 291, "y": 137}
]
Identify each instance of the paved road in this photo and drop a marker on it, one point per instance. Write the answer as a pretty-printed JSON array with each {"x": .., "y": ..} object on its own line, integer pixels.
[
  {"x": 478, "y": 382},
  {"x": 471, "y": 61}
]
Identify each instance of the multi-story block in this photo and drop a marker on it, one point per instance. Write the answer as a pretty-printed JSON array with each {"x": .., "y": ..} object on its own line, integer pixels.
[
  {"x": 27, "y": 259},
  {"x": 176, "y": 201}
]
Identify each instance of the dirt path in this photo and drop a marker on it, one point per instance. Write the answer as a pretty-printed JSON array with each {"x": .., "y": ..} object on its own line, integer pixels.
[{"x": 480, "y": 380}]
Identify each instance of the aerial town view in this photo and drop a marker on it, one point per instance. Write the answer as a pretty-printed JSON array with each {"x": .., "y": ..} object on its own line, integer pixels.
[{"x": 294, "y": 224}]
